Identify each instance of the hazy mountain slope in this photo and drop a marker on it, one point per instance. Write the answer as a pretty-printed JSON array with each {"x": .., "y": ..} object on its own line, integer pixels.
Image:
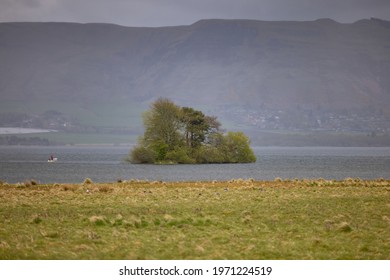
[
  {"x": 106, "y": 75},
  {"x": 280, "y": 64}
]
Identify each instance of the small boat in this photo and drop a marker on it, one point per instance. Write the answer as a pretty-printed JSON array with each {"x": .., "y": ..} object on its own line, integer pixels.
[{"x": 52, "y": 159}]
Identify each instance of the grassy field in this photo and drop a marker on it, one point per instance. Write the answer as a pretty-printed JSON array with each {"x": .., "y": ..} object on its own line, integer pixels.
[{"x": 239, "y": 219}]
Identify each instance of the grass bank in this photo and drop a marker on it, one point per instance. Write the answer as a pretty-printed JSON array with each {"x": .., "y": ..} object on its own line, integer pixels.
[{"x": 239, "y": 219}]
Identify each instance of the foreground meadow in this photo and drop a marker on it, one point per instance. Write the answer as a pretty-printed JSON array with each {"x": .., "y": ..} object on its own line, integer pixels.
[{"x": 239, "y": 219}]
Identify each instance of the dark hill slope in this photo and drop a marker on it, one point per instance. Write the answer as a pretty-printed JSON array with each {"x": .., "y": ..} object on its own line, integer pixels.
[{"x": 105, "y": 74}]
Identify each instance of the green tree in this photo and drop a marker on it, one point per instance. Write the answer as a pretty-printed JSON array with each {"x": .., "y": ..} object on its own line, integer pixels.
[
  {"x": 238, "y": 149},
  {"x": 195, "y": 126},
  {"x": 162, "y": 125},
  {"x": 176, "y": 134}
]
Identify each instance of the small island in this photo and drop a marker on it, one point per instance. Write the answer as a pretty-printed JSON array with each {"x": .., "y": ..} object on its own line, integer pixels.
[{"x": 175, "y": 134}]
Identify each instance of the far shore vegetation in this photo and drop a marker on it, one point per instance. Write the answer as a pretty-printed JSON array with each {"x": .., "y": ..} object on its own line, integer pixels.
[
  {"x": 240, "y": 219},
  {"x": 176, "y": 134}
]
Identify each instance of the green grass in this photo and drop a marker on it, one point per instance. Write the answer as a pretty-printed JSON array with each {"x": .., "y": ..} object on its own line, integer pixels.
[{"x": 239, "y": 219}]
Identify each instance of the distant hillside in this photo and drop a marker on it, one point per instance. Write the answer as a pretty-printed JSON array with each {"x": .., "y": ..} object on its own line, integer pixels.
[{"x": 255, "y": 75}]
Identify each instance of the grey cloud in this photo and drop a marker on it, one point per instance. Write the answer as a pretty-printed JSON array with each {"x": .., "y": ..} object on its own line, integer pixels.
[{"x": 178, "y": 12}]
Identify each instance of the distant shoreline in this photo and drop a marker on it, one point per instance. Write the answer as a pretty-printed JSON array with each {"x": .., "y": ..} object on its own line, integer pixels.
[{"x": 23, "y": 130}]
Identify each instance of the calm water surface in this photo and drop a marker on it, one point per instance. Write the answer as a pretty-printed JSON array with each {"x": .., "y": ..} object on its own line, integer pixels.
[{"x": 106, "y": 164}]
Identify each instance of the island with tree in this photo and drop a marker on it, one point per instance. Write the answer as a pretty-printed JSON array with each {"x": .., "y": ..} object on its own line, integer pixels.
[{"x": 175, "y": 134}]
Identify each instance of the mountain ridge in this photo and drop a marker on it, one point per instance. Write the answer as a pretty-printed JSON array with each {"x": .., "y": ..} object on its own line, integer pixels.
[{"x": 308, "y": 70}]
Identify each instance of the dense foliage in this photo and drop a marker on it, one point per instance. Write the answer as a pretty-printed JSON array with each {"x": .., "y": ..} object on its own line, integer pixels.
[{"x": 176, "y": 134}]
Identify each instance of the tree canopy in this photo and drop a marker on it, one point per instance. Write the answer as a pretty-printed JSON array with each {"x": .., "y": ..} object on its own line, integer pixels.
[{"x": 176, "y": 134}]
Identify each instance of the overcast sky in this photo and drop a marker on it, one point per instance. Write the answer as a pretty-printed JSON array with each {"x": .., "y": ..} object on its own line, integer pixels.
[{"x": 184, "y": 12}]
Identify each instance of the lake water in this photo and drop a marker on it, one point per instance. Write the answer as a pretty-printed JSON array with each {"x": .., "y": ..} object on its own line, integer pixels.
[{"x": 106, "y": 164}]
